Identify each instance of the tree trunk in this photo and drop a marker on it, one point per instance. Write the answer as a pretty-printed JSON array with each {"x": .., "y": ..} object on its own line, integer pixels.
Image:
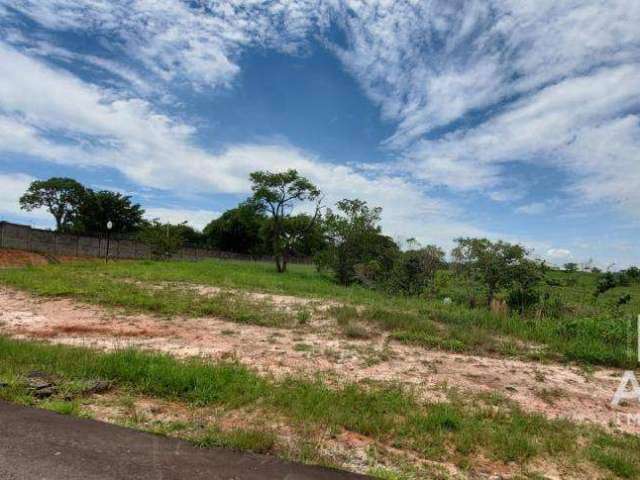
[
  {"x": 278, "y": 260},
  {"x": 491, "y": 295}
]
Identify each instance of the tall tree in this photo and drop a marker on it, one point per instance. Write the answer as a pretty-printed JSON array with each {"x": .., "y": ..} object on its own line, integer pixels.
[
  {"x": 103, "y": 206},
  {"x": 62, "y": 198},
  {"x": 355, "y": 239},
  {"x": 496, "y": 265},
  {"x": 238, "y": 229},
  {"x": 279, "y": 193}
]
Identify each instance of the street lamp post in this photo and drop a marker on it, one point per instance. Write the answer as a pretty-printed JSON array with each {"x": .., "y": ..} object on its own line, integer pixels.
[{"x": 109, "y": 227}]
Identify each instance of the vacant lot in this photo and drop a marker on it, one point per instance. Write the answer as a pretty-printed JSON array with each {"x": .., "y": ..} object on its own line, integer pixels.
[{"x": 300, "y": 367}]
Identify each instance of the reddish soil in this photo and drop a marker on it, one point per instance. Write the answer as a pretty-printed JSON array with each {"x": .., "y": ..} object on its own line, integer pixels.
[
  {"x": 554, "y": 390},
  {"x": 22, "y": 258}
]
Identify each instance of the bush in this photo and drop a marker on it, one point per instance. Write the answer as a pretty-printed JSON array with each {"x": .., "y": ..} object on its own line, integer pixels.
[
  {"x": 354, "y": 240},
  {"x": 164, "y": 240},
  {"x": 633, "y": 273},
  {"x": 606, "y": 282},
  {"x": 414, "y": 271},
  {"x": 551, "y": 307},
  {"x": 497, "y": 266},
  {"x": 522, "y": 299},
  {"x": 446, "y": 284}
]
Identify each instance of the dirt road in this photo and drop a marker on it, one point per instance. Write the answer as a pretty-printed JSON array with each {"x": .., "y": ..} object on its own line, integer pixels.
[{"x": 37, "y": 444}]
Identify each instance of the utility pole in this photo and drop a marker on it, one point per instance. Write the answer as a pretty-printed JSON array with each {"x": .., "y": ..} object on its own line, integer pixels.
[{"x": 109, "y": 227}]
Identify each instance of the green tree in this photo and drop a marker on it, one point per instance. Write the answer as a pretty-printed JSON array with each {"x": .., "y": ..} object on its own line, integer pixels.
[
  {"x": 415, "y": 269},
  {"x": 279, "y": 193},
  {"x": 190, "y": 235},
  {"x": 163, "y": 239},
  {"x": 100, "y": 207},
  {"x": 633, "y": 273},
  {"x": 570, "y": 267},
  {"x": 304, "y": 236},
  {"x": 238, "y": 230},
  {"x": 497, "y": 265},
  {"x": 62, "y": 197},
  {"x": 356, "y": 248}
]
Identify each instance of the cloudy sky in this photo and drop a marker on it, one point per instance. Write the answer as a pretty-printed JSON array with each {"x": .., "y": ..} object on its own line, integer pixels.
[{"x": 513, "y": 119}]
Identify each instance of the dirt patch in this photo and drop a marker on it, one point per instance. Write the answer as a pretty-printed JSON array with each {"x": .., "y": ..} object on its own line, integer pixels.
[
  {"x": 557, "y": 391},
  {"x": 348, "y": 450},
  {"x": 20, "y": 258},
  {"x": 288, "y": 303}
]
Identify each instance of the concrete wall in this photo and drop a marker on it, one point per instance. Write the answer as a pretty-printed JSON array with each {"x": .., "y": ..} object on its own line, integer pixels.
[{"x": 23, "y": 237}]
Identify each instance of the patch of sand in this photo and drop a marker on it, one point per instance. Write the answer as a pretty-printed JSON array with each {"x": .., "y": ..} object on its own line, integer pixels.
[{"x": 555, "y": 390}]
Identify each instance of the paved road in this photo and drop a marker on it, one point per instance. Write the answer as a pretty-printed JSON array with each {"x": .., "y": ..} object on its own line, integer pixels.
[{"x": 40, "y": 445}]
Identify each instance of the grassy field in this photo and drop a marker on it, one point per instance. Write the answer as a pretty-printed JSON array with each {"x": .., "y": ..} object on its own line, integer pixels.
[
  {"x": 577, "y": 326},
  {"x": 464, "y": 431}
]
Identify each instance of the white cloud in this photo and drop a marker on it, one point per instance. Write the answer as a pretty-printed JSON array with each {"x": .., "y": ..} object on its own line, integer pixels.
[
  {"x": 426, "y": 64},
  {"x": 557, "y": 84},
  {"x": 558, "y": 253},
  {"x": 196, "y": 42},
  {"x": 578, "y": 125},
  {"x": 196, "y": 218},
  {"x": 535, "y": 208},
  {"x": 156, "y": 151},
  {"x": 12, "y": 186}
]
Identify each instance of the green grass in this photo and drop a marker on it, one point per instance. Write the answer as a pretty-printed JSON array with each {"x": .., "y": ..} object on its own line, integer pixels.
[
  {"x": 444, "y": 431},
  {"x": 256, "y": 441},
  {"x": 576, "y": 326},
  {"x": 89, "y": 283}
]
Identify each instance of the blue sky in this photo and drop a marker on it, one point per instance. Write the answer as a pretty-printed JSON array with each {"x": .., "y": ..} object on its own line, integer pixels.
[{"x": 512, "y": 119}]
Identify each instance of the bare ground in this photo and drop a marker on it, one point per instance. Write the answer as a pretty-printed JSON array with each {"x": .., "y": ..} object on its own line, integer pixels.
[
  {"x": 10, "y": 258},
  {"x": 555, "y": 390}
]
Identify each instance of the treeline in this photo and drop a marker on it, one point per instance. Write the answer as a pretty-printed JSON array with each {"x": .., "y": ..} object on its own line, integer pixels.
[{"x": 345, "y": 240}]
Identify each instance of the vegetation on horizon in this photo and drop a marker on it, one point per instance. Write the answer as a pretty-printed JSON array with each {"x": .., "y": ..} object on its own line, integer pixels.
[{"x": 484, "y": 290}]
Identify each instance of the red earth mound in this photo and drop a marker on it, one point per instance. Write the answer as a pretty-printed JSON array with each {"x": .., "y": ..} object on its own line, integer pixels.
[{"x": 20, "y": 258}]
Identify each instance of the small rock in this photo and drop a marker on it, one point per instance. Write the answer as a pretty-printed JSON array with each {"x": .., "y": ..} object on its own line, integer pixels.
[
  {"x": 38, "y": 383},
  {"x": 511, "y": 388},
  {"x": 99, "y": 386},
  {"x": 44, "y": 392}
]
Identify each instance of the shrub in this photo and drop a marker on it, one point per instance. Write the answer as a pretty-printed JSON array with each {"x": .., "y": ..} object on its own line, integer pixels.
[
  {"x": 633, "y": 273},
  {"x": 414, "y": 270},
  {"x": 522, "y": 299},
  {"x": 551, "y": 307},
  {"x": 497, "y": 265},
  {"x": 164, "y": 240},
  {"x": 606, "y": 282},
  {"x": 354, "y": 239}
]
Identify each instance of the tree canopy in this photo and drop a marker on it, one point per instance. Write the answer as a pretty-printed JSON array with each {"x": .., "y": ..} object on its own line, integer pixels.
[
  {"x": 496, "y": 265},
  {"x": 98, "y": 208},
  {"x": 238, "y": 230},
  {"x": 62, "y": 197},
  {"x": 278, "y": 193},
  {"x": 354, "y": 241}
]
